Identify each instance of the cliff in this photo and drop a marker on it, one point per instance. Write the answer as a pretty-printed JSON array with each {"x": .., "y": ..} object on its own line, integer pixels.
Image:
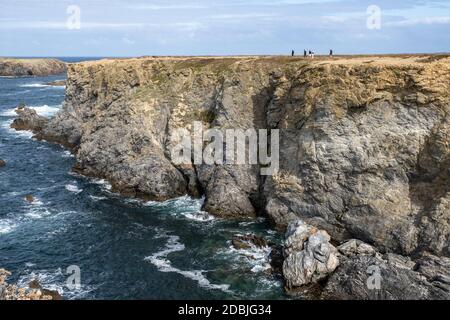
[
  {"x": 31, "y": 67},
  {"x": 364, "y": 141}
]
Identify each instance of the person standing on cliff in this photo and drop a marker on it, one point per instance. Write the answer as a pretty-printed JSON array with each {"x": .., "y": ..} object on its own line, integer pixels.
[
  {"x": 331, "y": 53},
  {"x": 293, "y": 53},
  {"x": 304, "y": 53}
]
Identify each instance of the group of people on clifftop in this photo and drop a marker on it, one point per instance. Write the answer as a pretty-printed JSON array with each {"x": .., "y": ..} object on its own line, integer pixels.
[{"x": 311, "y": 54}]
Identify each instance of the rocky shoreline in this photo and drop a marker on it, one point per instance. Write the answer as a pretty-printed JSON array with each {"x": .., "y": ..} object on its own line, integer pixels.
[
  {"x": 10, "y": 67},
  {"x": 34, "y": 292},
  {"x": 364, "y": 156}
]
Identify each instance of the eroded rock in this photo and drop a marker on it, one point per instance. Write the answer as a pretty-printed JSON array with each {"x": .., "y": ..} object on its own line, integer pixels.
[{"x": 309, "y": 256}]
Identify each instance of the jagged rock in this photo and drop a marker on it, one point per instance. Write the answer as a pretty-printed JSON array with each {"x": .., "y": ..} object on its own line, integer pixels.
[
  {"x": 28, "y": 119},
  {"x": 36, "y": 285},
  {"x": 2, "y": 163},
  {"x": 31, "y": 67},
  {"x": 246, "y": 242},
  {"x": 29, "y": 198},
  {"x": 356, "y": 247},
  {"x": 35, "y": 292},
  {"x": 363, "y": 142},
  {"x": 372, "y": 277},
  {"x": 309, "y": 257}
]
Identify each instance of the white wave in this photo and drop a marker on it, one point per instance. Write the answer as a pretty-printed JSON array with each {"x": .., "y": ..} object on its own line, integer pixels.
[
  {"x": 97, "y": 198},
  {"x": 67, "y": 154},
  {"x": 161, "y": 261},
  {"x": 102, "y": 182},
  {"x": 43, "y": 110},
  {"x": 73, "y": 188},
  {"x": 46, "y": 110},
  {"x": 199, "y": 216},
  {"x": 256, "y": 258},
  {"x": 185, "y": 206},
  {"x": 34, "y": 85},
  {"x": 7, "y": 226}
]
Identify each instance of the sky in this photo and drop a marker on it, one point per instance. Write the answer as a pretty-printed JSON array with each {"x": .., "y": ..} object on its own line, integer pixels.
[{"x": 115, "y": 28}]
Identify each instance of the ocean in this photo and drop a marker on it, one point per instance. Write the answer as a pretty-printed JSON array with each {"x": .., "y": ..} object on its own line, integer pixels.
[{"x": 124, "y": 248}]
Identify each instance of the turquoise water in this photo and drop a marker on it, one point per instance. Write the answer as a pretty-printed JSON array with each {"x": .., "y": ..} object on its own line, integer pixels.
[{"x": 125, "y": 249}]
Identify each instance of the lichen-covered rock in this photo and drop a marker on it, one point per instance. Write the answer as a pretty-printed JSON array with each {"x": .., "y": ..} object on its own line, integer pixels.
[{"x": 309, "y": 256}]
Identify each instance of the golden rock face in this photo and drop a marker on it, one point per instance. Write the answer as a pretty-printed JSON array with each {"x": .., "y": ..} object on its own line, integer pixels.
[{"x": 364, "y": 149}]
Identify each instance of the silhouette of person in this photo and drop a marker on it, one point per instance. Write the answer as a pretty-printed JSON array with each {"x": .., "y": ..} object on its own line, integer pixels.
[
  {"x": 331, "y": 53},
  {"x": 304, "y": 53},
  {"x": 293, "y": 52}
]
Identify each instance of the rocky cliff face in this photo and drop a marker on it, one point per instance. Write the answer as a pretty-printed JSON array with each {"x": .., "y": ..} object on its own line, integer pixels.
[
  {"x": 364, "y": 142},
  {"x": 31, "y": 67}
]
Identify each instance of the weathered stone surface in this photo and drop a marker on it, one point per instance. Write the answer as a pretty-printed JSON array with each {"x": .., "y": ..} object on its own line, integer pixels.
[
  {"x": 309, "y": 257},
  {"x": 356, "y": 247},
  {"x": 372, "y": 277},
  {"x": 31, "y": 67},
  {"x": 28, "y": 119},
  {"x": 364, "y": 148},
  {"x": 35, "y": 291}
]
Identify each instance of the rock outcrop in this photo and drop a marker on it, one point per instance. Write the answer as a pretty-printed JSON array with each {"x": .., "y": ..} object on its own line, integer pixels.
[
  {"x": 35, "y": 292},
  {"x": 364, "y": 142},
  {"x": 31, "y": 67},
  {"x": 2, "y": 163},
  {"x": 365, "y": 274},
  {"x": 28, "y": 120},
  {"x": 309, "y": 256}
]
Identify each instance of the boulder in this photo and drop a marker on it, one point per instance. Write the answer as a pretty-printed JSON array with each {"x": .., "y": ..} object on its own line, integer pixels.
[
  {"x": 309, "y": 256},
  {"x": 2, "y": 163}
]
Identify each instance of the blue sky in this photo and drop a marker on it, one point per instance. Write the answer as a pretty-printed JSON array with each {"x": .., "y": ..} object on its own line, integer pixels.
[{"x": 221, "y": 27}]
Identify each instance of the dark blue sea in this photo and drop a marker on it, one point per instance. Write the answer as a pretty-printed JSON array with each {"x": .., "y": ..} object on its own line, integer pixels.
[{"x": 124, "y": 248}]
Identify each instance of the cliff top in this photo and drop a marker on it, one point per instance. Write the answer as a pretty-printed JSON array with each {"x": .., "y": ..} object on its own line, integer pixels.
[
  {"x": 375, "y": 60},
  {"x": 17, "y": 67}
]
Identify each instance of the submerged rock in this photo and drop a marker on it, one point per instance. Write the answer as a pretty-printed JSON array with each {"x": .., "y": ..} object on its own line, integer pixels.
[
  {"x": 2, "y": 163},
  {"x": 246, "y": 242},
  {"x": 309, "y": 256},
  {"x": 29, "y": 198}
]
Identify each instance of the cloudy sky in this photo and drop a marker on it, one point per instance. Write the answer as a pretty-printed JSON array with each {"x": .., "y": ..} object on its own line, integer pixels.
[{"x": 221, "y": 27}]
